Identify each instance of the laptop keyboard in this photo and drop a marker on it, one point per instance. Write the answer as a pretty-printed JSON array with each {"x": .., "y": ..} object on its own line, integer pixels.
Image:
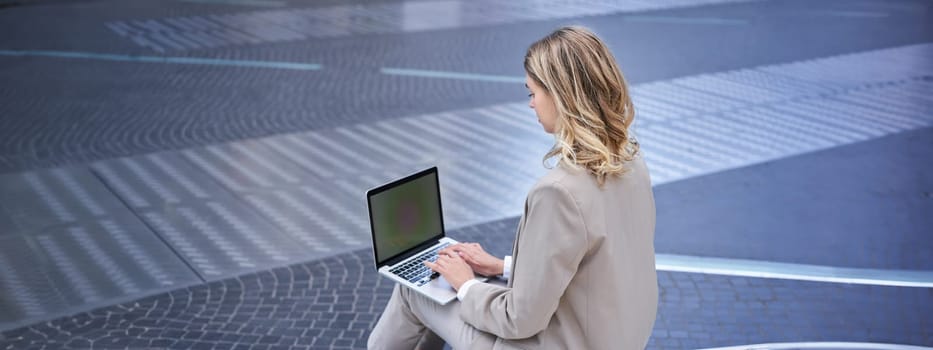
[{"x": 415, "y": 271}]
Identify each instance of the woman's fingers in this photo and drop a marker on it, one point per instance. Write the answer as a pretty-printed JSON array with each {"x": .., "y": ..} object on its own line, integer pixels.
[
  {"x": 476, "y": 249},
  {"x": 456, "y": 248},
  {"x": 460, "y": 253},
  {"x": 463, "y": 248},
  {"x": 444, "y": 259},
  {"x": 454, "y": 258},
  {"x": 434, "y": 267},
  {"x": 473, "y": 254},
  {"x": 468, "y": 257}
]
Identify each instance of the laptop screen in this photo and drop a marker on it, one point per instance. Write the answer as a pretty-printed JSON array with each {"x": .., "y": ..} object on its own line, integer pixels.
[{"x": 405, "y": 214}]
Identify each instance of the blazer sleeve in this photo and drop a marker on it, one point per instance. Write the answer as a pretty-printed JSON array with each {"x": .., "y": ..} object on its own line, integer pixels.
[{"x": 550, "y": 247}]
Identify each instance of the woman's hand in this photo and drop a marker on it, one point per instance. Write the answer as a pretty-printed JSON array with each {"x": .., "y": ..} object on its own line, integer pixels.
[
  {"x": 452, "y": 267},
  {"x": 478, "y": 259}
]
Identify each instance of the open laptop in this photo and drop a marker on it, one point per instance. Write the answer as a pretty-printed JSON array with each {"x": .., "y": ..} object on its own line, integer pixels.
[{"x": 408, "y": 228}]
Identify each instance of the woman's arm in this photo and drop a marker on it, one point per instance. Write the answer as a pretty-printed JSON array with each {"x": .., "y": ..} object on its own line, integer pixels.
[{"x": 550, "y": 247}]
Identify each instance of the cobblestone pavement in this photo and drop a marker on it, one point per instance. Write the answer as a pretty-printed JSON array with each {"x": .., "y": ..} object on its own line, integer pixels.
[
  {"x": 334, "y": 302},
  {"x": 249, "y": 205},
  {"x": 189, "y": 173},
  {"x": 108, "y": 109}
]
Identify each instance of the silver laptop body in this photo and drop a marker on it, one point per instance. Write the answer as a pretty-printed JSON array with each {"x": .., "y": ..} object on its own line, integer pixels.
[{"x": 407, "y": 227}]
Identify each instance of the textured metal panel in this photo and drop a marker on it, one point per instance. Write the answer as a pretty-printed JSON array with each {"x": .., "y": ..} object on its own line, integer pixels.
[
  {"x": 24, "y": 285},
  {"x": 7, "y": 225},
  {"x": 320, "y": 148},
  {"x": 121, "y": 256},
  {"x": 247, "y": 166},
  {"x": 39, "y": 199},
  {"x": 716, "y": 84},
  {"x": 315, "y": 216},
  {"x": 86, "y": 263},
  {"x": 223, "y": 238},
  {"x": 187, "y": 33},
  {"x": 157, "y": 180},
  {"x": 293, "y": 148}
]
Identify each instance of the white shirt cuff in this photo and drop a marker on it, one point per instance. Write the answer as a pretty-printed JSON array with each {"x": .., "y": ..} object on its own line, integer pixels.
[
  {"x": 461, "y": 293},
  {"x": 507, "y": 267}
]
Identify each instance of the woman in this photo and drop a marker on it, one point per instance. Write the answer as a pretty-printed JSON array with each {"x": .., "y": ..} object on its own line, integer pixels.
[{"x": 581, "y": 274}]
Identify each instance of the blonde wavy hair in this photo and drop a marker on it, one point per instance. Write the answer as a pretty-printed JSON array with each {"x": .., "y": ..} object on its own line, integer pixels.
[{"x": 594, "y": 108}]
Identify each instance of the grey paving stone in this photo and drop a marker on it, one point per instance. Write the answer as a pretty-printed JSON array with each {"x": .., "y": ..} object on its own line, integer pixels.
[
  {"x": 696, "y": 310},
  {"x": 800, "y": 209},
  {"x": 40, "y": 199},
  {"x": 155, "y": 102},
  {"x": 105, "y": 109},
  {"x": 118, "y": 258}
]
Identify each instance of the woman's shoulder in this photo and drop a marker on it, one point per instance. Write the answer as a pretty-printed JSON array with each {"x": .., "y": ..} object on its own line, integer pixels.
[
  {"x": 559, "y": 180},
  {"x": 581, "y": 181}
]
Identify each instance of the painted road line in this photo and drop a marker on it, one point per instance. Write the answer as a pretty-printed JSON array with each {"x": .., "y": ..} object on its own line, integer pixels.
[
  {"x": 452, "y": 75},
  {"x": 686, "y": 20},
  {"x": 260, "y": 3},
  {"x": 163, "y": 59},
  {"x": 852, "y": 14}
]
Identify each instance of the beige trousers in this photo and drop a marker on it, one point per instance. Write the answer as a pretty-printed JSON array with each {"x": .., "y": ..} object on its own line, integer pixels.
[{"x": 412, "y": 321}]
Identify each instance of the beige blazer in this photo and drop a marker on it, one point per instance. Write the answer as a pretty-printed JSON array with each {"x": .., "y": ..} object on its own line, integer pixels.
[{"x": 583, "y": 273}]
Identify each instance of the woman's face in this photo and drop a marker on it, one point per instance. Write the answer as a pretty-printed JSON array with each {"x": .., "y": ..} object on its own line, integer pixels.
[{"x": 543, "y": 104}]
